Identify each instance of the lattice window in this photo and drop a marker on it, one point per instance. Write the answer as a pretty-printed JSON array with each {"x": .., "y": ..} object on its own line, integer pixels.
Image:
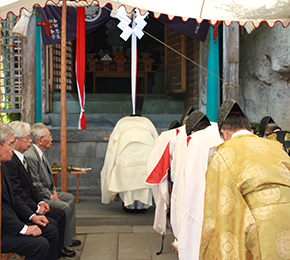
[
  {"x": 55, "y": 67},
  {"x": 11, "y": 84},
  {"x": 175, "y": 65}
]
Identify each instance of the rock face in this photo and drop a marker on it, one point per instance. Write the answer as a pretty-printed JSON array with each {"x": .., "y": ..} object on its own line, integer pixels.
[{"x": 265, "y": 74}]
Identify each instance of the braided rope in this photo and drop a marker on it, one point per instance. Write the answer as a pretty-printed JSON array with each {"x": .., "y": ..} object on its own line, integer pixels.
[{"x": 74, "y": 4}]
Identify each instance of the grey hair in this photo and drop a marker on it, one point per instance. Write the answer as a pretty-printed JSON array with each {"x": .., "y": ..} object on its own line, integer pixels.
[
  {"x": 19, "y": 128},
  {"x": 37, "y": 130},
  {"x": 5, "y": 130}
]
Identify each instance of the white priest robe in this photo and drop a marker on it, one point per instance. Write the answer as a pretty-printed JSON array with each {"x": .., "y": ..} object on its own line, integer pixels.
[
  {"x": 124, "y": 171},
  {"x": 178, "y": 180},
  {"x": 158, "y": 169},
  {"x": 191, "y": 218}
]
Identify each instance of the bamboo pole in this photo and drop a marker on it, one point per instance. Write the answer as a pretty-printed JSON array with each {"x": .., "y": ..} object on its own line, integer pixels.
[{"x": 63, "y": 126}]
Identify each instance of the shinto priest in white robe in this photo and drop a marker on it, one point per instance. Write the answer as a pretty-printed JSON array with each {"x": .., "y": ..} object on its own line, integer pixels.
[
  {"x": 159, "y": 177},
  {"x": 192, "y": 206},
  {"x": 178, "y": 181},
  {"x": 124, "y": 171}
]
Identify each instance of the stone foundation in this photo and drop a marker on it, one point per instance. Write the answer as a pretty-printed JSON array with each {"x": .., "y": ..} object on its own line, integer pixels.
[{"x": 87, "y": 148}]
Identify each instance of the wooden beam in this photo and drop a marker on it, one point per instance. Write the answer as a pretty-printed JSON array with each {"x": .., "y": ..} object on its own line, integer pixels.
[
  {"x": 231, "y": 47},
  {"x": 0, "y": 162},
  {"x": 183, "y": 63},
  {"x": 28, "y": 110},
  {"x": 63, "y": 132},
  {"x": 50, "y": 88}
]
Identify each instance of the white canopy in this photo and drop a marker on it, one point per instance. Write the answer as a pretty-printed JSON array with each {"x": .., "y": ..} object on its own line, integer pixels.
[{"x": 242, "y": 11}]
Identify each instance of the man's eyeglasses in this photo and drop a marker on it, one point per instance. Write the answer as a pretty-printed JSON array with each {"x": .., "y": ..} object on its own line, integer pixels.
[
  {"x": 26, "y": 137},
  {"x": 47, "y": 136},
  {"x": 10, "y": 146}
]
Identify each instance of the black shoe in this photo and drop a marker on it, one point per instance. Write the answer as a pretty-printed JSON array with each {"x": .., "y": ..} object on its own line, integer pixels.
[
  {"x": 75, "y": 243},
  {"x": 132, "y": 211},
  {"x": 66, "y": 252},
  {"x": 141, "y": 210}
]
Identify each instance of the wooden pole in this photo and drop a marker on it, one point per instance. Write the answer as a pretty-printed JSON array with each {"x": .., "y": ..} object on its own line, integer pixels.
[
  {"x": 28, "y": 45},
  {"x": 63, "y": 126},
  {"x": 231, "y": 46},
  {"x": 0, "y": 162}
]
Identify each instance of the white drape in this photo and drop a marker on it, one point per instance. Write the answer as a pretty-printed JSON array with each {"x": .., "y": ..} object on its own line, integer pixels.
[{"x": 223, "y": 10}]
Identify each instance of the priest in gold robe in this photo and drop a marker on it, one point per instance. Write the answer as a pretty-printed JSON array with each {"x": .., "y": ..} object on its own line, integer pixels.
[{"x": 247, "y": 197}]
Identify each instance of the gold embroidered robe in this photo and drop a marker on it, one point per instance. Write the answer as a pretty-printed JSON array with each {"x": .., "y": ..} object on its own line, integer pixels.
[{"x": 247, "y": 201}]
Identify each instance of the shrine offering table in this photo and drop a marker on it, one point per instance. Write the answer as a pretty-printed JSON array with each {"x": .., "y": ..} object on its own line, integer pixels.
[
  {"x": 120, "y": 69},
  {"x": 77, "y": 173}
]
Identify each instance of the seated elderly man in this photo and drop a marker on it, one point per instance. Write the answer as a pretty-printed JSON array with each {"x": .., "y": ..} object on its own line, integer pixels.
[
  {"x": 43, "y": 180},
  {"x": 32, "y": 237},
  {"x": 22, "y": 184}
]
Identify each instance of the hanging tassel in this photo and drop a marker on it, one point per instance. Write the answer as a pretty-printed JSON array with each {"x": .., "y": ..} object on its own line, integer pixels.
[
  {"x": 46, "y": 24},
  {"x": 21, "y": 26},
  {"x": 249, "y": 26},
  {"x": 215, "y": 32}
]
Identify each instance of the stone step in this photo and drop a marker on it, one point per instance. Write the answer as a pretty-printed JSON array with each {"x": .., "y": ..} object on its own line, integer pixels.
[
  {"x": 101, "y": 122},
  {"x": 90, "y": 212},
  {"x": 120, "y": 103}
]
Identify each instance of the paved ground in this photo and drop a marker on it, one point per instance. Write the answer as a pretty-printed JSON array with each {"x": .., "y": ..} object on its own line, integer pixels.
[
  {"x": 90, "y": 212},
  {"x": 109, "y": 233},
  {"x": 124, "y": 243}
]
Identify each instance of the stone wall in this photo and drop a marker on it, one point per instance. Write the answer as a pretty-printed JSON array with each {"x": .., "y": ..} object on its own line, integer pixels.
[
  {"x": 265, "y": 73},
  {"x": 87, "y": 148},
  {"x": 120, "y": 103}
]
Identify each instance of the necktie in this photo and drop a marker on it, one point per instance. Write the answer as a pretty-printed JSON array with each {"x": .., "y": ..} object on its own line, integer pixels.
[
  {"x": 25, "y": 163},
  {"x": 2, "y": 178},
  {"x": 45, "y": 164},
  {"x": 43, "y": 160}
]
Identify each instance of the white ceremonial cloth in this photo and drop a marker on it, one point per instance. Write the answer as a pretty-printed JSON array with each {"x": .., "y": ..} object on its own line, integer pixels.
[
  {"x": 196, "y": 164},
  {"x": 160, "y": 182},
  {"x": 124, "y": 169},
  {"x": 214, "y": 10},
  {"x": 178, "y": 180}
]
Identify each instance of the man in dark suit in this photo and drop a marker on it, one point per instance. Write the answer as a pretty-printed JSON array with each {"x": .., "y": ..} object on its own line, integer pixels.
[
  {"x": 22, "y": 184},
  {"x": 34, "y": 238}
]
